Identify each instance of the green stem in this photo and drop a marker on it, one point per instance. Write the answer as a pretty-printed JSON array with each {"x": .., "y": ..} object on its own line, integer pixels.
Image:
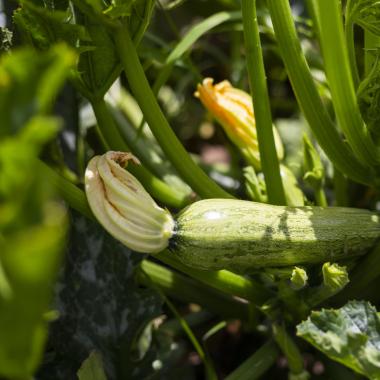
[
  {"x": 338, "y": 72},
  {"x": 312, "y": 10},
  {"x": 257, "y": 81},
  {"x": 157, "y": 188},
  {"x": 320, "y": 197},
  {"x": 257, "y": 364},
  {"x": 149, "y": 152},
  {"x": 318, "y": 295},
  {"x": 223, "y": 280},
  {"x": 371, "y": 43},
  {"x": 308, "y": 97},
  {"x": 289, "y": 348},
  {"x": 210, "y": 371},
  {"x": 74, "y": 196},
  {"x": 340, "y": 189},
  {"x": 175, "y": 152},
  {"x": 350, "y": 43},
  {"x": 185, "y": 289}
]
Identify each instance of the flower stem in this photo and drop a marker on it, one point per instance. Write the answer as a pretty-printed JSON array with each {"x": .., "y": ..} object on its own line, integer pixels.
[
  {"x": 257, "y": 79},
  {"x": 257, "y": 364},
  {"x": 311, "y": 9},
  {"x": 186, "y": 289},
  {"x": 223, "y": 280},
  {"x": 320, "y": 197},
  {"x": 307, "y": 95},
  {"x": 289, "y": 348},
  {"x": 74, "y": 196},
  {"x": 157, "y": 188},
  {"x": 175, "y": 152}
]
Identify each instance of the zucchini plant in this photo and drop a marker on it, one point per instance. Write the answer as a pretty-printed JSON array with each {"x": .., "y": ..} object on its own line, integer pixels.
[{"x": 211, "y": 174}]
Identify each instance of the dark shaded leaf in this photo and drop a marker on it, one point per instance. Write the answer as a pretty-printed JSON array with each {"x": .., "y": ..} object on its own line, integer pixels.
[
  {"x": 101, "y": 308},
  {"x": 43, "y": 26}
]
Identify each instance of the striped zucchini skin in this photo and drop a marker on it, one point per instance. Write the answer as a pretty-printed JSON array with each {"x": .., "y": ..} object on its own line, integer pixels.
[{"x": 240, "y": 235}]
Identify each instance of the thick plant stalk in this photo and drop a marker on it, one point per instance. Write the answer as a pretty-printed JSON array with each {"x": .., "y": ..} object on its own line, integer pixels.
[
  {"x": 175, "y": 152},
  {"x": 350, "y": 43},
  {"x": 337, "y": 66},
  {"x": 257, "y": 81},
  {"x": 308, "y": 98}
]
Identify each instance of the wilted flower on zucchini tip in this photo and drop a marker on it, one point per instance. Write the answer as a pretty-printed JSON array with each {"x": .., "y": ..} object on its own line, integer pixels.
[
  {"x": 122, "y": 205},
  {"x": 233, "y": 109}
]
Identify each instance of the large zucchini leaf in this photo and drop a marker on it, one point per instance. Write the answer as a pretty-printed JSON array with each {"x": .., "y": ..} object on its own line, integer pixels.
[{"x": 350, "y": 335}]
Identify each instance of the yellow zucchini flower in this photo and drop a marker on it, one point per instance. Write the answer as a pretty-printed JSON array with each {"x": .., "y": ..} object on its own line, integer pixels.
[{"x": 233, "y": 109}]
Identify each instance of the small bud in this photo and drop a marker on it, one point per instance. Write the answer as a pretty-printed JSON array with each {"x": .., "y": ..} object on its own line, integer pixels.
[
  {"x": 254, "y": 186},
  {"x": 335, "y": 277},
  {"x": 122, "y": 205},
  {"x": 233, "y": 109},
  {"x": 299, "y": 278}
]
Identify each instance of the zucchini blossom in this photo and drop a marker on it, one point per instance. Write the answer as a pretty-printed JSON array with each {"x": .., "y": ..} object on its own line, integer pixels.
[
  {"x": 233, "y": 109},
  {"x": 123, "y": 207}
]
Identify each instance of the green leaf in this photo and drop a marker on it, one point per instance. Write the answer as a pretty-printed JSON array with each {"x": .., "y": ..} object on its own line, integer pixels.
[
  {"x": 32, "y": 226},
  {"x": 32, "y": 231},
  {"x": 369, "y": 97},
  {"x": 43, "y": 26},
  {"x": 350, "y": 335},
  {"x": 99, "y": 66},
  {"x": 29, "y": 84},
  {"x": 17, "y": 159},
  {"x": 30, "y": 260},
  {"x": 120, "y": 8},
  {"x": 365, "y": 13},
  {"x": 92, "y": 368},
  {"x": 140, "y": 17}
]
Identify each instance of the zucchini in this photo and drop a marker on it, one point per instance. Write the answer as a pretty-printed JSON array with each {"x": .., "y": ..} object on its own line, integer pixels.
[
  {"x": 242, "y": 235},
  {"x": 228, "y": 234}
]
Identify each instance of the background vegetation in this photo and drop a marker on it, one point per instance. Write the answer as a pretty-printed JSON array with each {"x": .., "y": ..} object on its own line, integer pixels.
[{"x": 75, "y": 303}]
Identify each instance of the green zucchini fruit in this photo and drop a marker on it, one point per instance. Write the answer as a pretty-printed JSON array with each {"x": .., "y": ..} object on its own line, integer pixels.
[
  {"x": 228, "y": 234},
  {"x": 243, "y": 235}
]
